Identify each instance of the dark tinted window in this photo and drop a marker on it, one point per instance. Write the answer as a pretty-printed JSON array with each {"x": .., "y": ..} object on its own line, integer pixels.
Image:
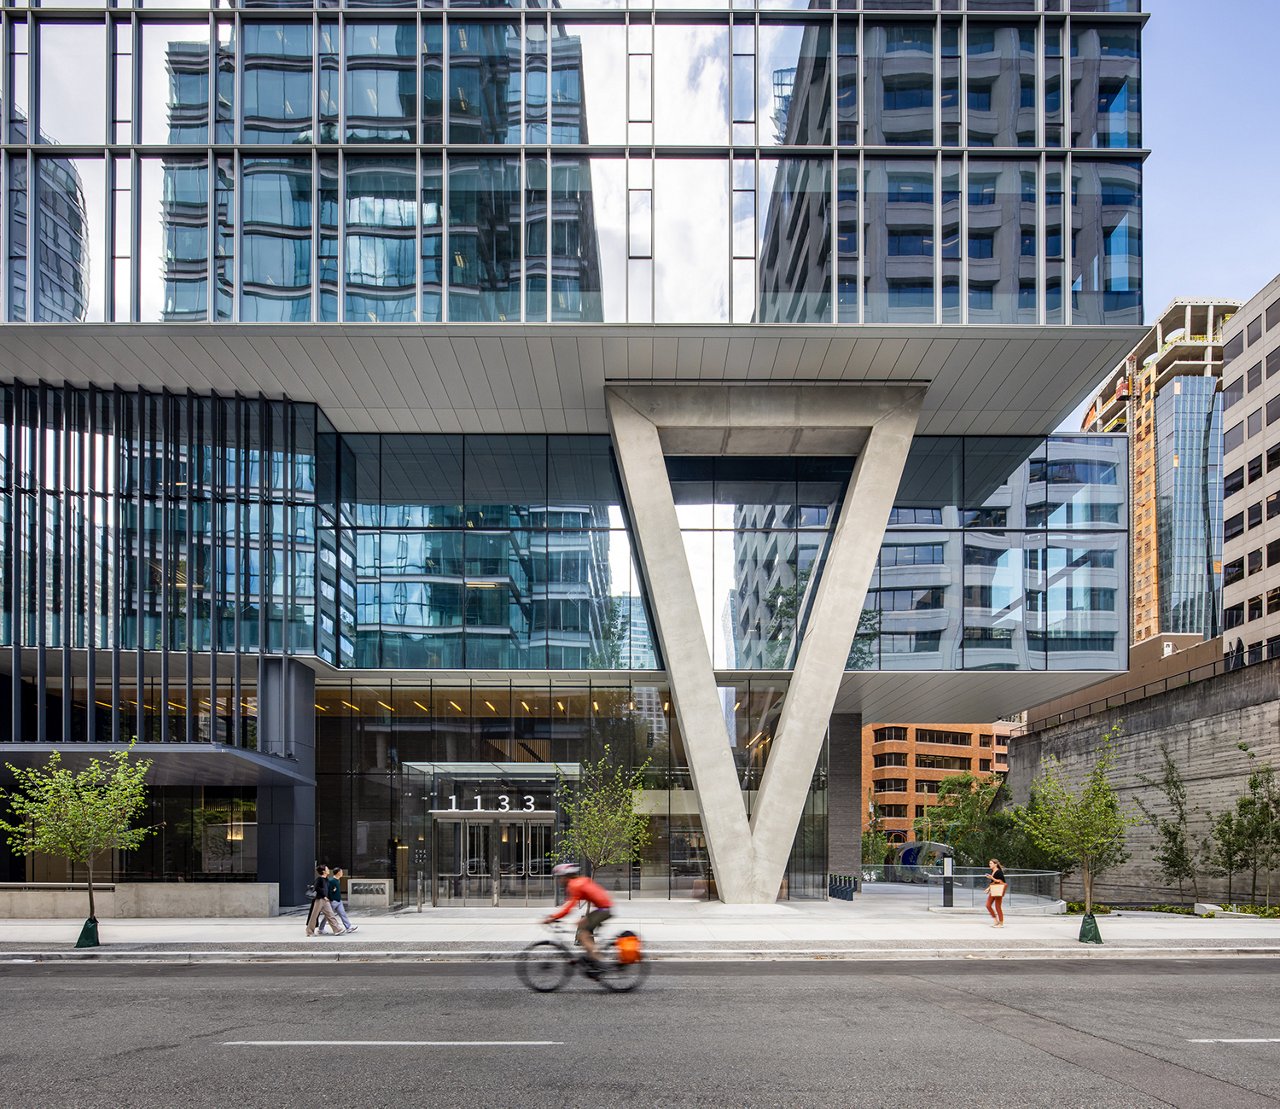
[
  {"x": 1233, "y": 438},
  {"x": 1233, "y": 349},
  {"x": 1233, "y": 572},
  {"x": 1255, "y": 330}
]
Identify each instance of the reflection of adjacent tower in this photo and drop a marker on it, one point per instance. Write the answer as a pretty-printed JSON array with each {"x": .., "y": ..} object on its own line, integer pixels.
[
  {"x": 794, "y": 275},
  {"x": 62, "y": 244},
  {"x": 637, "y": 639},
  {"x": 897, "y": 226},
  {"x": 768, "y": 589},
  {"x": 185, "y": 191},
  {"x": 1106, "y": 226},
  {"x": 583, "y": 623},
  {"x": 61, "y": 263},
  {"x": 898, "y": 60},
  {"x": 574, "y": 244},
  {"x": 1002, "y": 217}
]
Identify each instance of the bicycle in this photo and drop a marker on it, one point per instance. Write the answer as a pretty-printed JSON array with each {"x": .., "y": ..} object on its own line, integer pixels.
[{"x": 546, "y": 965}]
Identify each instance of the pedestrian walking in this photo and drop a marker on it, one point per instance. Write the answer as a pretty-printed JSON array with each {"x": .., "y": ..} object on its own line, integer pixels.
[
  {"x": 996, "y": 889},
  {"x": 320, "y": 906},
  {"x": 335, "y": 901}
]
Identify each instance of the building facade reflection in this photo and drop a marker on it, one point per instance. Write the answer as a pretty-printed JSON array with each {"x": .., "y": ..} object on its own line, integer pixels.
[{"x": 803, "y": 120}]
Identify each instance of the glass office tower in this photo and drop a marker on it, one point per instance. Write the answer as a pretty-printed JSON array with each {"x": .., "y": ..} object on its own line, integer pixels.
[{"x": 312, "y": 317}]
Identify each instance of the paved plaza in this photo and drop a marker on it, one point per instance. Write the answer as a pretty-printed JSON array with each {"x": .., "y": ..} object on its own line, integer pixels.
[{"x": 874, "y": 925}]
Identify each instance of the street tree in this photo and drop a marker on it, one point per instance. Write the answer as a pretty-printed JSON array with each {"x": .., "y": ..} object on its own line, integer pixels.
[
  {"x": 77, "y": 816},
  {"x": 962, "y": 818},
  {"x": 605, "y": 827},
  {"x": 1175, "y": 850},
  {"x": 1084, "y": 828},
  {"x": 970, "y": 819},
  {"x": 1259, "y": 811},
  {"x": 1227, "y": 850},
  {"x": 875, "y": 841}
]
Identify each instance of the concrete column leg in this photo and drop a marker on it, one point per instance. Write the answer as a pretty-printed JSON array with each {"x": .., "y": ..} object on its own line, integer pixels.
[
  {"x": 685, "y": 651},
  {"x": 833, "y": 622},
  {"x": 750, "y": 859}
]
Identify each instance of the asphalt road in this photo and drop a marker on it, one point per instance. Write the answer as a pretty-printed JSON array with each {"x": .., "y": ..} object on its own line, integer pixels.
[{"x": 1053, "y": 1033}]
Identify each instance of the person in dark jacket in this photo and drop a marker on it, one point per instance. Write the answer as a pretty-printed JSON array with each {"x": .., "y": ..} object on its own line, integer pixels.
[
  {"x": 320, "y": 906},
  {"x": 335, "y": 901}
]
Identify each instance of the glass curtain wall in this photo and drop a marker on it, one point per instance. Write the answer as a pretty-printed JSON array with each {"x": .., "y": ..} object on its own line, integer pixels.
[
  {"x": 632, "y": 166},
  {"x": 491, "y": 552},
  {"x": 434, "y": 783},
  {"x": 1189, "y": 492},
  {"x": 147, "y": 535},
  {"x": 1003, "y": 554}
]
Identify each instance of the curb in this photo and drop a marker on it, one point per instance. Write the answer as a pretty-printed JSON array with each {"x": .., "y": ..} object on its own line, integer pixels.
[{"x": 691, "y": 955}]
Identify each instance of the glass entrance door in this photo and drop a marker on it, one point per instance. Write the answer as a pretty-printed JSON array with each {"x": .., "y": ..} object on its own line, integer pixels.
[{"x": 491, "y": 861}]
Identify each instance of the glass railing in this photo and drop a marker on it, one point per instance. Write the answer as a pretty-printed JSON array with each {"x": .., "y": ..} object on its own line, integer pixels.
[{"x": 1027, "y": 888}]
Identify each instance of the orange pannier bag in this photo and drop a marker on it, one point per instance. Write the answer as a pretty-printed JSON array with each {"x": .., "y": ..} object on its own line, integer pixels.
[{"x": 628, "y": 945}]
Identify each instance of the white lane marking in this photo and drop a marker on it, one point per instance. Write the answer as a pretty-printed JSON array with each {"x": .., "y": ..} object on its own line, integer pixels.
[
  {"x": 393, "y": 1043},
  {"x": 1273, "y": 1041}
]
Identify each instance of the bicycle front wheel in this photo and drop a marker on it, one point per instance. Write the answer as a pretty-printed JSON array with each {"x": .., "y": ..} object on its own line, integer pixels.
[
  {"x": 618, "y": 976},
  {"x": 544, "y": 966}
]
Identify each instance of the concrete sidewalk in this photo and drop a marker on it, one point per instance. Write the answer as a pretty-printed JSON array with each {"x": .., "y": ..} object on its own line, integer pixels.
[{"x": 870, "y": 927}]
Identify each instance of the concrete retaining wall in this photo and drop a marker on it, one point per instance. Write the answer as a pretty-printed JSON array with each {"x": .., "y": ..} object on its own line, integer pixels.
[
  {"x": 1202, "y": 725},
  {"x": 144, "y": 899}
]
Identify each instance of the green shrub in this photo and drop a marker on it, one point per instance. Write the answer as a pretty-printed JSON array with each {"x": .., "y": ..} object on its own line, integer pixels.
[
  {"x": 1269, "y": 912},
  {"x": 1077, "y": 908}
]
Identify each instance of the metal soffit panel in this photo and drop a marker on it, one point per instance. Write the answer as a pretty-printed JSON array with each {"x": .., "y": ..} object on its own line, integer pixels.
[
  {"x": 881, "y": 696},
  {"x": 538, "y": 379},
  {"x": 940, "y": 696},
  {"x": 193, "y": 764}
]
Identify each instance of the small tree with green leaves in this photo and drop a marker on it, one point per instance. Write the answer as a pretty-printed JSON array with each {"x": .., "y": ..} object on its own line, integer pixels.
[
  {"x": 1259, "y": 812},
  {"x": 1175, "y": 850},
  {"x": 962, "y": 818},
  {"x": 77, "y": 816},
  {"x": 875, "y": 840},
  {"x": 1085, "y": 829},
  {"x": 604, "y": 826},
  {"x": 1227, "y": 850}
]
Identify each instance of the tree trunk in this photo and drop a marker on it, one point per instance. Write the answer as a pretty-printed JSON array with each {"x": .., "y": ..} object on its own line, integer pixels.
[
  {"x": 89, "y": 867},
  {"x": 1087, "y": 876}
]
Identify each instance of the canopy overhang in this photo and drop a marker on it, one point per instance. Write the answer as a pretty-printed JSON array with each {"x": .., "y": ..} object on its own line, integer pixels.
[{"x": 550, "y": 378}]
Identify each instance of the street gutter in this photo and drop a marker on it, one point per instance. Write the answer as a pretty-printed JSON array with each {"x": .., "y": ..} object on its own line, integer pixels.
[{"x": 1083, "y": 951}]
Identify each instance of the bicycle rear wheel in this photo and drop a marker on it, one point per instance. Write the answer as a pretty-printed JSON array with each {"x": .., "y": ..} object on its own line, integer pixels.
[
  {"x": 544, "y": 966},
  {"x": 618, "y": 976}
]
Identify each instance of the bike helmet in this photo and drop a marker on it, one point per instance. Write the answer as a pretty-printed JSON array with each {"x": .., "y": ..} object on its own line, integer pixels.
[{"x": 564, "y": 870}]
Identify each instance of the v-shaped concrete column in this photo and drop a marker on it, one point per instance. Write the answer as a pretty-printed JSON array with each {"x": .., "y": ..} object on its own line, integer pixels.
[{"x": 875, "y": 423}]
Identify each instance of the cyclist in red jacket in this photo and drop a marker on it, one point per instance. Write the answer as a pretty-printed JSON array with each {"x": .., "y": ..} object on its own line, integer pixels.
[{"x": 577, "y": 888}]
